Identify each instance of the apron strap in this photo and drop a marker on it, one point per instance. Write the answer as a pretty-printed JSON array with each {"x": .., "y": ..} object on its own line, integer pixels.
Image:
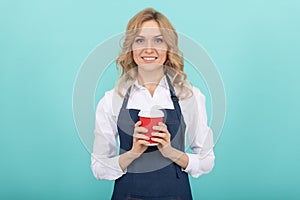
[
  {"x": 172, "y": 93},
  {"x": 125, "y": 101},
  {"x": 174, "y": 98},
  {"x": 179, "y": 115}
]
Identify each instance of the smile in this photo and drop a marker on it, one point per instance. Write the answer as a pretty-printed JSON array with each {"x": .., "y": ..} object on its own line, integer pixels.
[{"x": 149, "y": 58}]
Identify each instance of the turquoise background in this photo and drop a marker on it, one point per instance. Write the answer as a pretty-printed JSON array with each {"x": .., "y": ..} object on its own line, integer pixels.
[{"x": 255, "y": 45}]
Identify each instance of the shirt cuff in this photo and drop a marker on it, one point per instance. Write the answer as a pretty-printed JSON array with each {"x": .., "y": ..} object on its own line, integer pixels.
[
  {"x": 193, "y": 161},
  {"x": 107, "y": 168},
  {"x": 117, "y": 167},
  {"x": 196, "y": 166}
]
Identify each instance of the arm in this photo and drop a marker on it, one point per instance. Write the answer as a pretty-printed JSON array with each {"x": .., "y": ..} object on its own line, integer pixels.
[
  {"x": 200, "y": 136},
  {"x": 201, "y": 160},
  {"x": 105, "y": 162},
  {"x": 104, "y": 158}
]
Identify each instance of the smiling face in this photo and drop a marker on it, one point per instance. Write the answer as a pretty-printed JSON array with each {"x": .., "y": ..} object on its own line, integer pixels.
[{"x": 149, "y": 48}]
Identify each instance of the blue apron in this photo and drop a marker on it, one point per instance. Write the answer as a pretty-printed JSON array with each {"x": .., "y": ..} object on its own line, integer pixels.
[{"x": 152, "y": 176}]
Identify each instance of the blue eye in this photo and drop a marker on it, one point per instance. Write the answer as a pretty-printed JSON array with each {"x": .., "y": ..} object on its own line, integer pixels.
[
  {"x": 139, "y": 40},
  {"x": 158, "y": 40}
]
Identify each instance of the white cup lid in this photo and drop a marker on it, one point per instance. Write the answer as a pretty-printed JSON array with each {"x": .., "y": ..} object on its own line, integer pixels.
[{"x": 155, "y": 113}]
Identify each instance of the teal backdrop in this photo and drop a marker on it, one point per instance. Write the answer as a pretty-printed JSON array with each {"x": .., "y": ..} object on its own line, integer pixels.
[{"x": 255, "y": 45}]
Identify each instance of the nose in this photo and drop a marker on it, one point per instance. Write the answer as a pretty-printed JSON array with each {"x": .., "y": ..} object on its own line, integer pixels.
[
  {"x": 148, "y": 50},
  {"x": 148, "y": 47}
]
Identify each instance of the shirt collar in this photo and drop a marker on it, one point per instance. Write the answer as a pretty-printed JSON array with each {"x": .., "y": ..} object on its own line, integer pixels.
[{"x": 163, "y": 83}]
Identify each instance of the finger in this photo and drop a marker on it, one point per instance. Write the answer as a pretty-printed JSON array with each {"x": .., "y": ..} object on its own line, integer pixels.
[
  {"x": 140, "y": 129},
  {"x": 159, "y": 140},
  {"x": 162, "y": 124},
  {"x": 160, "y": 128},
  {"x": 143, "y": 142},
  {"x": 140, "y": 136},
  {"x": 138, "y": 123},
  {"x": 158, "y": 134}
]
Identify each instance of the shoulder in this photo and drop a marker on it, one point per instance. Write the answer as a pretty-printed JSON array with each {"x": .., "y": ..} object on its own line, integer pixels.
[
  {"x": 196, "y": 95},
  {"x": 110, "y": 102},
  {"x": 193, "y": 102},
  {"x": 108, "y": 95}
]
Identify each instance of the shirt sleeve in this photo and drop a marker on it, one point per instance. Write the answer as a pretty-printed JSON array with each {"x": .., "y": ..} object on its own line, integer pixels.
[
  {"x": 104, "y": 158},
  {"x": 200, "y": 137}
]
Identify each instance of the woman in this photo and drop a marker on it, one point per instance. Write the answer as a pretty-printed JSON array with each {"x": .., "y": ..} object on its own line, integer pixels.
[{"x": 152, "y": 77}]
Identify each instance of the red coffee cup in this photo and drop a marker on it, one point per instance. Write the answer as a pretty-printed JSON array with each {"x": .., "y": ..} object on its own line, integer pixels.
[{"x": 150, "y": 119}]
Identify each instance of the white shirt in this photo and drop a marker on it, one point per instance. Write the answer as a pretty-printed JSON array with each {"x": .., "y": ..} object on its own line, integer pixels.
[{"x": 105, "y": 160}]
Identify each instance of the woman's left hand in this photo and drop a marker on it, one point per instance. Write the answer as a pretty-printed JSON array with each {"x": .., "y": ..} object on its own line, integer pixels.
[{"x": 163, "y": 138}]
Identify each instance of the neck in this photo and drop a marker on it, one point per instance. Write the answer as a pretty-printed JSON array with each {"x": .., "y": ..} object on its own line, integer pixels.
[{"x": 150, "y": 79}]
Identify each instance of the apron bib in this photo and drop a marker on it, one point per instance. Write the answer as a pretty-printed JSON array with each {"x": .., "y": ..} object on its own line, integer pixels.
[{"x": 152, "y": 176}]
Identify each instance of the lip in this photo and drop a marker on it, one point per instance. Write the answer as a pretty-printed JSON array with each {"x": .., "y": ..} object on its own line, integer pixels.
[{"x": 149, "y": 59}]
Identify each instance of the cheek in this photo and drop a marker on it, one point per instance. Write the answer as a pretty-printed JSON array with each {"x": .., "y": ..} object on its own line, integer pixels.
[
  {"x": 135, "y": 55},
  {"x": 163, "y": 56}
]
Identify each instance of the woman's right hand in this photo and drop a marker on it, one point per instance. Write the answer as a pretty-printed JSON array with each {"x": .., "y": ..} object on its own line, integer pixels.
[
  {"x": 139, "y": 139},
  {"x": 138, "y": 146}
]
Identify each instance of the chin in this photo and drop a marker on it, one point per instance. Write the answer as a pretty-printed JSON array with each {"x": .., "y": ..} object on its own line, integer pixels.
[{"x": 150, "y": 66}]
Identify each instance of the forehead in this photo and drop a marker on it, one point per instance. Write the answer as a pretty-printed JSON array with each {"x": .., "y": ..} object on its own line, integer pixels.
[{"x": 150, "y": 28}]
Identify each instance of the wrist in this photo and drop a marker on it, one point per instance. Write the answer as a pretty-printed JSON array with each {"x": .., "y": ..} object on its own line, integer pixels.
[
  {"x": 174, "y": 154},
  {"x": 133, "y": 155},
  {"x": 126, "y": 159},
  {"x": 168, "y": 152}
]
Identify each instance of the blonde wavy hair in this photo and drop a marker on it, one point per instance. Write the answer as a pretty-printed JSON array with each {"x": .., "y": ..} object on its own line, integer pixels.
[{"x": 174, "y": 61}]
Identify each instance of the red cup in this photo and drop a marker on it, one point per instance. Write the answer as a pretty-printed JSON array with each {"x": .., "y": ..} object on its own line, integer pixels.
[{"x": 150, "y": 119}]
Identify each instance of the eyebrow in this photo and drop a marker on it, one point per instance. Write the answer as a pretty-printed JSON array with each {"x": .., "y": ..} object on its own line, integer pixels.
[{"x": 144, "y": 36}]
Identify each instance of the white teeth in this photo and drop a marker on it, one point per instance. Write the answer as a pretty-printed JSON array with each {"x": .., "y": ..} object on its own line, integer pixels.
[{"x": 151, "y": 58}]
